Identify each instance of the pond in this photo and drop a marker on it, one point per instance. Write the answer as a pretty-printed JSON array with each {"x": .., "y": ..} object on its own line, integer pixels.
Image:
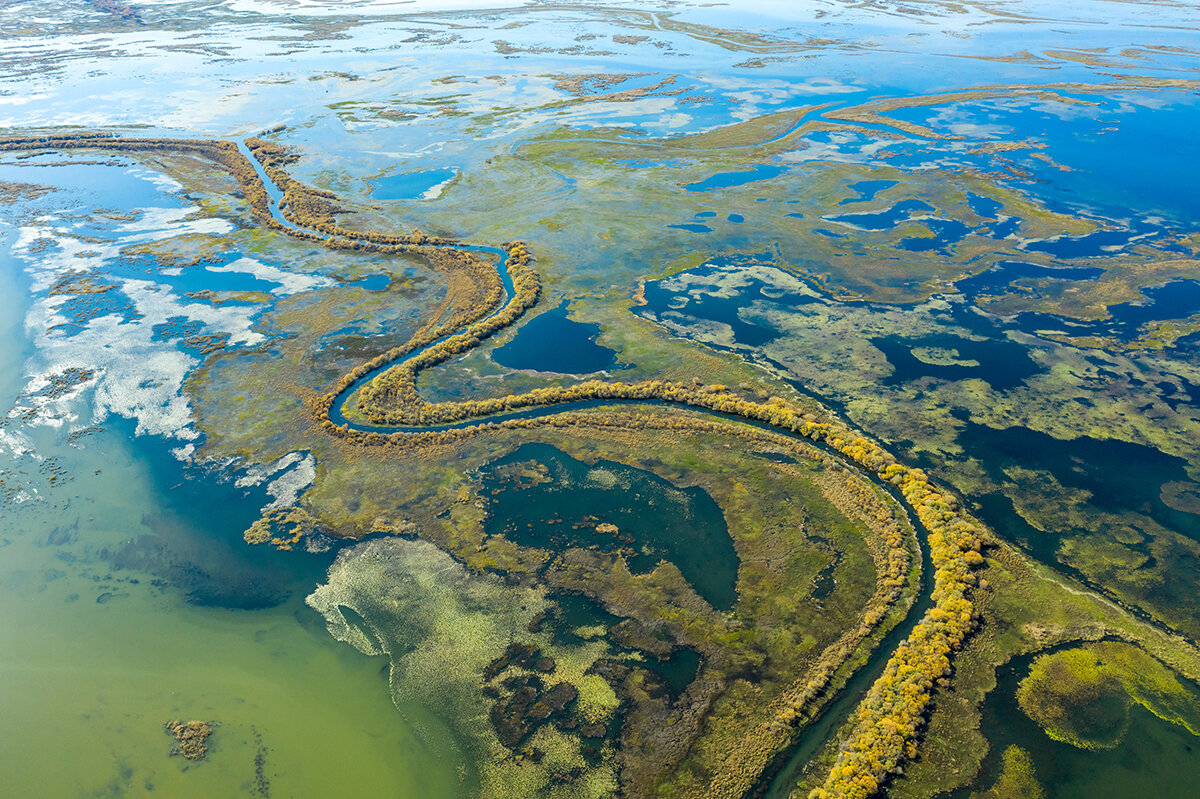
[
  {"x": 540, "y": 496},
  {"x": 726, "y": 180},
  {"x": 553, "y": 342},
  {"x": 425, "y": 184}
]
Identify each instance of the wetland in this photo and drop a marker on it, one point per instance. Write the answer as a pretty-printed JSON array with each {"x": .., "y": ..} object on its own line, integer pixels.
[{"x": 393, "y": 413}]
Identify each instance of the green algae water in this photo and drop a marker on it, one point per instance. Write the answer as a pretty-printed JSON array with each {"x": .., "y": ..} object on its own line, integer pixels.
[
  {"x": 1152, "y": 758},
  {"x": 127, "y": 599},
  {"x": 97, "y": 658}
]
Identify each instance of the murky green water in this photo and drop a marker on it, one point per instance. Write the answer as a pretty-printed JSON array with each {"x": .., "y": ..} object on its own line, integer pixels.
[
  {"x": 116, "y": 587},
  {"x": 1154, "y": 757}
]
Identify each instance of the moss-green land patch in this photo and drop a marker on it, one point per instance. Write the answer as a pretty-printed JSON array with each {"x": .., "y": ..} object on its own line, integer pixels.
[{"x": 1083, "y": 695}]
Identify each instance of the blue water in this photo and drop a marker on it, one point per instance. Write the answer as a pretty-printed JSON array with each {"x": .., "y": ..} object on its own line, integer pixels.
[
  {"x": 728, "y": 310},
  {"x": 725, "y": 180},
  {"x": 985, "y": 207},
  {"x": 118, "y": 184},
  {"x": 736, "y": 218},
  {"x": 1003, "y": 230},
  {"x": 1100, "y": 467},
  {"x": 865, "y": 190},
  {"x": 379, "y": 282},
  {"x": 551, "y": 342},
  {"x": 409, "y": 185},
  {"x": 946, "y": 232},
  {"x": 80, "y": 309},
  {"x": 1100, "y": 242},
  {"x": 1001, "y": 363},
  {"x": 999, "y": 277},
  {"x": 693, "y": 227},
  {"x": 1177, "y": 299},
  {"x": 1110, "y": 167}
]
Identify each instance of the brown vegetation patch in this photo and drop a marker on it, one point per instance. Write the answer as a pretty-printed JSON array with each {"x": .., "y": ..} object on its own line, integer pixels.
[{"x": 191, "y": 736}]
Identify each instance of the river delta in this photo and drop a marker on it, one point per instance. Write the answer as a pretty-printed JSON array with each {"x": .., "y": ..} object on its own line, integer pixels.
[{"x": 580, "y": 401}]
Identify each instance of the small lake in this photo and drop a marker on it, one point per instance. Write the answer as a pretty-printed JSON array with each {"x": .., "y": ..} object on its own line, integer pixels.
[
  {"x": 552, "y": 342},
  {"x": 727, "y": 180},
  {"x": 542, "y": 497},
  {"x": 865, "y": 190}
]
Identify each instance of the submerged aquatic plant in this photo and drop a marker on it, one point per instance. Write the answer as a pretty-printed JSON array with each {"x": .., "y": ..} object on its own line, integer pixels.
[{"x": 1082, "y": 696}]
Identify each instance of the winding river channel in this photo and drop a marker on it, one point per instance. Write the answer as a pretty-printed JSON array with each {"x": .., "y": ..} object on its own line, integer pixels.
[{"x": 779, "y": 779}]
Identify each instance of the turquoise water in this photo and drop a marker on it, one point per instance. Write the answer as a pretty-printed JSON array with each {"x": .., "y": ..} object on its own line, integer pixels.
[{"x": 411, "y": 185}]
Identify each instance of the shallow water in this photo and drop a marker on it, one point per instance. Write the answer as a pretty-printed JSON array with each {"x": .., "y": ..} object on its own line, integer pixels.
[
  {"x": 1155, "y": 757},
  {"x": 426, "y": 184},
  {"x": 115, "y": 594},
  {"x": 128, "y": 598},
  {"x": 540, "y": 496},
  {"x": 726, "y": 180},
  {"x": 212, "y": 629}
]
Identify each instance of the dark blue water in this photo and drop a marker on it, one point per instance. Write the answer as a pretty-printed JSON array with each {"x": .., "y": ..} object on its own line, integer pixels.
[
  {"x": 1177, "y": 299},
  {"x": 736, "y": 218},
  {"x": 1002, "y": 230},
  {"x": 1101, "y": 242},
  {"x": 985, "y": 207},
  {"x": 694, "y": 227},
  {"x": 725, "y": 180},
  {"x": 946, "y": 232},
  {"x": 865, "y": 190},
  {"x": 1003, "y": 364},
  {"x": 551, "y": 342},
  {"x": 728, "y": 310},
  {"x": 1110, "y": 167},
  {"x": 1000, "y": 276},
  {"x": 1118, "y": 475},
  {"x": 409, "y": 185}
]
